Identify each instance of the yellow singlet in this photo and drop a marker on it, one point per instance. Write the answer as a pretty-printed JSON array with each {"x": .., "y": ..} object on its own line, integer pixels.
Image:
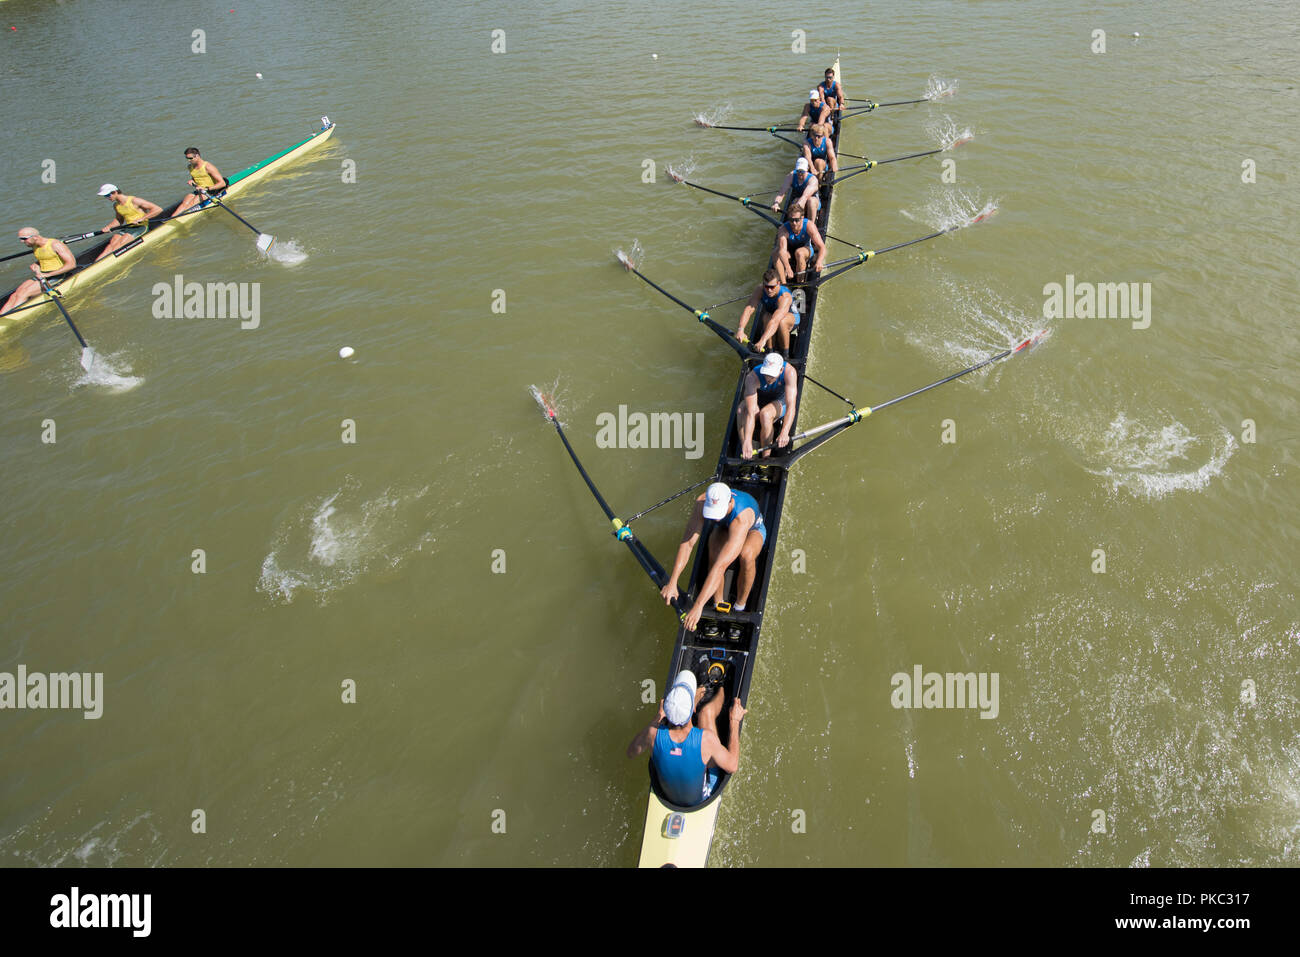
[
  {"x": 201, "y": 176},
  {"x": 127, "y": 212},
  {"x": 47, "y": 258}
]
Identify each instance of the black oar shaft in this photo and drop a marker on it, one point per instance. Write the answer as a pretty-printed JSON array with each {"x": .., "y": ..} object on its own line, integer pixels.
[
  {"x": 701, "y": 314},
  {"x": 671, "y": 498}
]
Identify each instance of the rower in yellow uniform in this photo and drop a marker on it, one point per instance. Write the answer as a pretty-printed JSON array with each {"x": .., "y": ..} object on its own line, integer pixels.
[
  {"x": 54, "y": 260},
  {"x": 131, "y": 216},
  {"x": 204, "y": 177}
]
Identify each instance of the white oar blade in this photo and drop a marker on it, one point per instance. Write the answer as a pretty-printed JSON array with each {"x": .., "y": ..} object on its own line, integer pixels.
[
  {"x": 87, "y": 358},
  {"x": 264, "y": 241}
]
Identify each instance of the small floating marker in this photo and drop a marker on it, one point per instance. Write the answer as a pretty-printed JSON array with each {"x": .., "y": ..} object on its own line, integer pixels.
[
  {"x": 258, "y": 75},
  {"x": 1137, "y": 34},
  {"x": 654, "y": 56},
  {"x": 347, "y": 352}
]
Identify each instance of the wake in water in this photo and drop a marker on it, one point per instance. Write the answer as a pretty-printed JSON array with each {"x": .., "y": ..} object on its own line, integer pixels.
[
  {"x": 109, "y": 372},
  {"x": 985, "y": 322},
  {"x": 287, "y": 252},
  {"x": 342, "y": 537},
  {"x": 949, "y": 208},
  {"x": 1153, "y": 459}
]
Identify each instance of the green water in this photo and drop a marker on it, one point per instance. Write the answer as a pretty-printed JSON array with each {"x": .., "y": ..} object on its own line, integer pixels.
[{"x": 485, "y": 696}]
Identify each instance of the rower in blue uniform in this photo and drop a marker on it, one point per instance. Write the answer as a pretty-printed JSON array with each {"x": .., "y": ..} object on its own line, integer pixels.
[
  {"x": 802, "y": 186},
  {"x": 740, "y": 534},
  {"x": 777, "y": 313},
  {"x": 832, "y": 92},
  {"x": 688, "y": 758},
  {"x": 815, "y": 111},
  {"x": 819, "y": 151},
  {"x": 769, "y": 395},
  {"x": 797, "y": 239}
]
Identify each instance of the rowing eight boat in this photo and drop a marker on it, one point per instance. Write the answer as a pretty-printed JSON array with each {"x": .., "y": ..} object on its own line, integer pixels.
[
  {"x": 677, "y": 836},
  {"x": 88, "y": 271}
]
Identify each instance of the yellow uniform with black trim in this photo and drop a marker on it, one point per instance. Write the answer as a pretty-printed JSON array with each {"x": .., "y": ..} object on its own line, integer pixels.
[
  {"x": 46, "y": 258},
  {"x": 128, "y": 213},
  {"x": 201, "y": 177}
]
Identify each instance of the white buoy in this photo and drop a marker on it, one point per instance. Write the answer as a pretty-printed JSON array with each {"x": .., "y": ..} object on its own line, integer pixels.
[
  {"x": 1137, "y": 34},
  {"x": 258, "y": 75},
  {"x": 347, "y": 352},
  {"x": 654, "y": 56}
]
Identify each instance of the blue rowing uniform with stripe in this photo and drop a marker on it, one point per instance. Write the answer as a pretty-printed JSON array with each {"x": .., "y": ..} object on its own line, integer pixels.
[
  {"x": 743, "y": 501},
  {"x": 770, "y": 304},
  {"x": 680, "y": 767},
  {"x": 830, "y": 91},
  {"x": 818, "y": 152},
  {"x": 798, "y": 183},
  {"x": 792, "y": 241}
]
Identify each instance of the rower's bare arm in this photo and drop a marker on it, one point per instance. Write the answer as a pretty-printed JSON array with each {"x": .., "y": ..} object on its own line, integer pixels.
[
  {"x": 65, "y": 255},
  {"x": 830, "y": 152},
  {"x": 791, "y": 396},
  {"x": 149, "y": 209},
  {"x": 694, "y": 526},
  {"x": 785, "y": 187},
  {"x": 218, "y": 181},
  {"x": 644, "y": 738},
  {"x": 819, "y": 244},
  {"x": 747, "y": 312}
]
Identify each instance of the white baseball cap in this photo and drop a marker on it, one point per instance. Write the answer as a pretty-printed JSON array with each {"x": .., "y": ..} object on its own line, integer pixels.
[
  {"x": 812, "y": 94},
  {"x": 680, "y": 700},
  {"x": 801, "y": 164},
  {"x": 771, "y": 366},
  {"x": 106, "y": 189},
  {"x": 717, "y": 501}
]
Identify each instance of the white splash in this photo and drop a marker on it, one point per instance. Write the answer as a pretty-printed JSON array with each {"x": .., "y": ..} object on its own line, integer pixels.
[
  {"x": 714, "y": 116},
  {"x": 287, "y": 252},
  {"x": 683, "y": 169},
  {"x": 947, "y": 134},
  {"x": 630, "y": 260},
  {"x": 1155, "y": 460},
  {"x": 342, "y": 537},
  {"x": 109, "y": 372},
  {"x": 936, "y": 88},
  {"x": 948, "y": 208}
]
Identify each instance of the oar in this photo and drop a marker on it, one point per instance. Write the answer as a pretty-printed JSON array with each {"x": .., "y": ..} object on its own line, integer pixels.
[
  {"x": 747, "y": 201},
  {"x": 872, "y": 164},
  {"x": 672, "y": 498},
  {"x": 829, "y": 430},
  {"x": 63, "y": 239},
  {"x": 747, "y": 129},
  {"x": 752, "y": 205},
  {"x": 871, "y": 253},
  {"x": 624, "y": 534},
  {"x": 87, "y": 353},
  {"x": 872, "y": 104},
  {"x": 722, "y": 332},
  {"x": 264, "y": 240}
]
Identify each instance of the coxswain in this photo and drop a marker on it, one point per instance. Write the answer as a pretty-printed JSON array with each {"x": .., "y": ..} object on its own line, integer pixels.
[
  {"x": 769, "y": 395},
  {"x": 204, "y": 177},
  {"x": 740, "y": 534},
  {"x": 796, "y": 241},
  {"x": 814, "y": 111},
  {"x": 688, "y": 757},
  {"x": 54, "y": 260},
  {"x": 819, "y": 151},
  {"x": 131, "y": 216},
  {"x": 802, "y": 185},
  {"x": 777, "y": 313}
]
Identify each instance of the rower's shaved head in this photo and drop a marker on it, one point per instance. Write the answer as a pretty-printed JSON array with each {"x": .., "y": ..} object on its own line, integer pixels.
[{"x": 27, "y": 232}]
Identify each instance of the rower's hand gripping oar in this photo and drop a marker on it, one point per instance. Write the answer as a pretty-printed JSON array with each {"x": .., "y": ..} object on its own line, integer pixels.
[
  {"x": 621, "y": 531},
  {"x": 264, "y": 240},
  {"x": 824, "y": 433},
  {"x": 741, "y": 349},
  {"x": 87, "y": 353}
]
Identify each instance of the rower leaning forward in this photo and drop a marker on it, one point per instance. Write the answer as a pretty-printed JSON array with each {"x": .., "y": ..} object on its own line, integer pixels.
[
  {"x": 738, "y": 536},
  {"x": 204, "y": 177},
  {"x": 54, "y": 260},
  {"x": 131, "y": 216}
]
